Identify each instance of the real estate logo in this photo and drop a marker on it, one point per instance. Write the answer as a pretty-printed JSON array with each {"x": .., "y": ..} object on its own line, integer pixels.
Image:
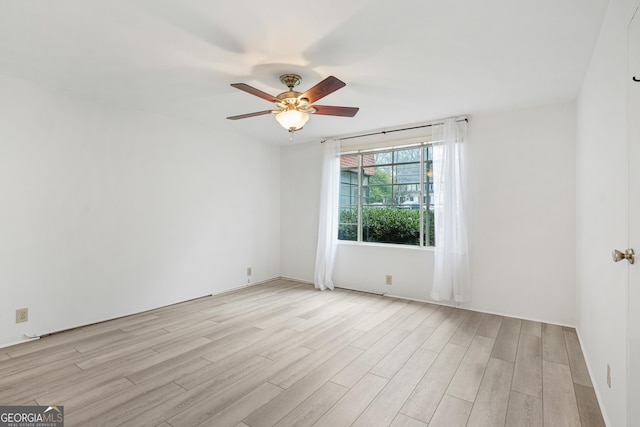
[{"x": 31, "y": 416}]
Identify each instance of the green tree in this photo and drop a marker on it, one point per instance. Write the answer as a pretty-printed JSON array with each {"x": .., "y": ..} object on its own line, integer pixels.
[{"x": 380, "y": 187}]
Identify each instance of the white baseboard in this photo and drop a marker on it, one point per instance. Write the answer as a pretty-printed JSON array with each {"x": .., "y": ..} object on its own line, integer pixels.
[{"x": 593, "y": 382}]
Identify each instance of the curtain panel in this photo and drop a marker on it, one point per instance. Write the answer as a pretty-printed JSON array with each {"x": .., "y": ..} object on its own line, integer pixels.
[
  {"x": 451, "y": 277},
  {"x": 329, "y": 215}
]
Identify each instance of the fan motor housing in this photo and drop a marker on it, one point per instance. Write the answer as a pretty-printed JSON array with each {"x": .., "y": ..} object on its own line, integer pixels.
[
  {"x": 291, "y": 100},
  {"x": 289, "y": 94}
]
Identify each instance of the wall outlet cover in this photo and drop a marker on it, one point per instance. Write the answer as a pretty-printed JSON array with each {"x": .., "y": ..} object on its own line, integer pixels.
[{"x": 22, "y": 315}]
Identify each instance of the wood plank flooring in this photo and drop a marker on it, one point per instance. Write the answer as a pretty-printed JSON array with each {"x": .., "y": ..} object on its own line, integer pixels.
[{"x": 285, "y": 354}]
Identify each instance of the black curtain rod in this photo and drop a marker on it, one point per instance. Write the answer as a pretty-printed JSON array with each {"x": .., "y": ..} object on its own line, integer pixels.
[{"x": 384, "y": 132}]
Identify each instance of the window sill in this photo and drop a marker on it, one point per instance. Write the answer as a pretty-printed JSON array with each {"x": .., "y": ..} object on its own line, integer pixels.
[{"x": 386, "y": 245}]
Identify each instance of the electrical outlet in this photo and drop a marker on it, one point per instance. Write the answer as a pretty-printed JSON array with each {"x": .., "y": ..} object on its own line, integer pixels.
[
  {"x": 249, "y": 272},
  {"x": 389, "y": 280},
  {"x": 22, "y": 315},
  {"x": 608, "y": 375}
]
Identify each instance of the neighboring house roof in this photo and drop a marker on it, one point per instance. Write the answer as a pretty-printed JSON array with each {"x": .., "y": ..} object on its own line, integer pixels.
[{"x": 351, "y": 162}]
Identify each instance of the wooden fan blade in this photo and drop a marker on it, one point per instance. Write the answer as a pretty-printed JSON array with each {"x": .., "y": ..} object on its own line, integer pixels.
[
  {"x": 253, "y": 91},
  {"x": 322, "y": 89},
  {"x": 327, "y": 110},
  {"x": 245, "y": 116}
]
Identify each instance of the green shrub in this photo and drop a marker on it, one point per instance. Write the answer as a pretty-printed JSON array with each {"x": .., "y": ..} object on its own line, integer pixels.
[
  {"x": 348, "y": 227},
  {"x": 385, "y": 225}
]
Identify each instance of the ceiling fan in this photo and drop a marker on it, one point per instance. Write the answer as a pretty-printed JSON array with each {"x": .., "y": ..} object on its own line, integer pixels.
[{"x": 294, "y": 107}]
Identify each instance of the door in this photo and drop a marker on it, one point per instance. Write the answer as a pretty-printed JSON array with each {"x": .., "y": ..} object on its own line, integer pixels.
[{"x": 633, "y": 123}]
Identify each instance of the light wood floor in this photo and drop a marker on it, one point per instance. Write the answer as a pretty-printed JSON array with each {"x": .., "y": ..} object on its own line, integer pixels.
[{"x": 284, "y": 354}]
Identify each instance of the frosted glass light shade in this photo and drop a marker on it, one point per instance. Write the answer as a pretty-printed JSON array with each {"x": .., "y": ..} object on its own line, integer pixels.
[{"x": 292, "y": 119}]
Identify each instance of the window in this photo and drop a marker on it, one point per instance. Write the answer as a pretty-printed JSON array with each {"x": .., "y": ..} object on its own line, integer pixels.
[{"x": 386, "y": 196}]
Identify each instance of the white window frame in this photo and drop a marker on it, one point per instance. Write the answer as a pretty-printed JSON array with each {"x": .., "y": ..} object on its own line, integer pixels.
[{"x": 360, "y": 150}]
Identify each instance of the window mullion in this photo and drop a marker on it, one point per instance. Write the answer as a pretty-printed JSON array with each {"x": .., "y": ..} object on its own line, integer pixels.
[
  {"x": 422, "y": 197},
  {"x": 360, "y": 198}
]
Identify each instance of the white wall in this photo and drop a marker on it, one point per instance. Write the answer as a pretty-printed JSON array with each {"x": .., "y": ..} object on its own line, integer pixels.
[
  {"x": 299, "y": 188},
  {"x": 522, "y": 225},
  {"x": 523, "y": 213},
  {"x": 602, "y": 173},
  {"x": 106, "y": 212}
]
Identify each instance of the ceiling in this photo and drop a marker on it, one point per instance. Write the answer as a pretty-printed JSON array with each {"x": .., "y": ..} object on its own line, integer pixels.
[{"x": 404, "y": 61}]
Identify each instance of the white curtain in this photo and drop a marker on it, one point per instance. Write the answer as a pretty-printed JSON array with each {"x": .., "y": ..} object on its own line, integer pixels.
[
  {"x": 329, "y": 215},
  {"x": 451, "y": 278}
]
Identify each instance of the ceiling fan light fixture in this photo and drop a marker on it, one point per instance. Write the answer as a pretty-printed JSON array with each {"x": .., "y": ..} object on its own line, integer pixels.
[
  {"x": 292, "y": 120},
  {"x": 292, "y": 107}
]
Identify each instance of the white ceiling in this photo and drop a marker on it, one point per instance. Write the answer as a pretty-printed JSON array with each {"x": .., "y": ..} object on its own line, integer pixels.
[{"x": 404, "y": 61}]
